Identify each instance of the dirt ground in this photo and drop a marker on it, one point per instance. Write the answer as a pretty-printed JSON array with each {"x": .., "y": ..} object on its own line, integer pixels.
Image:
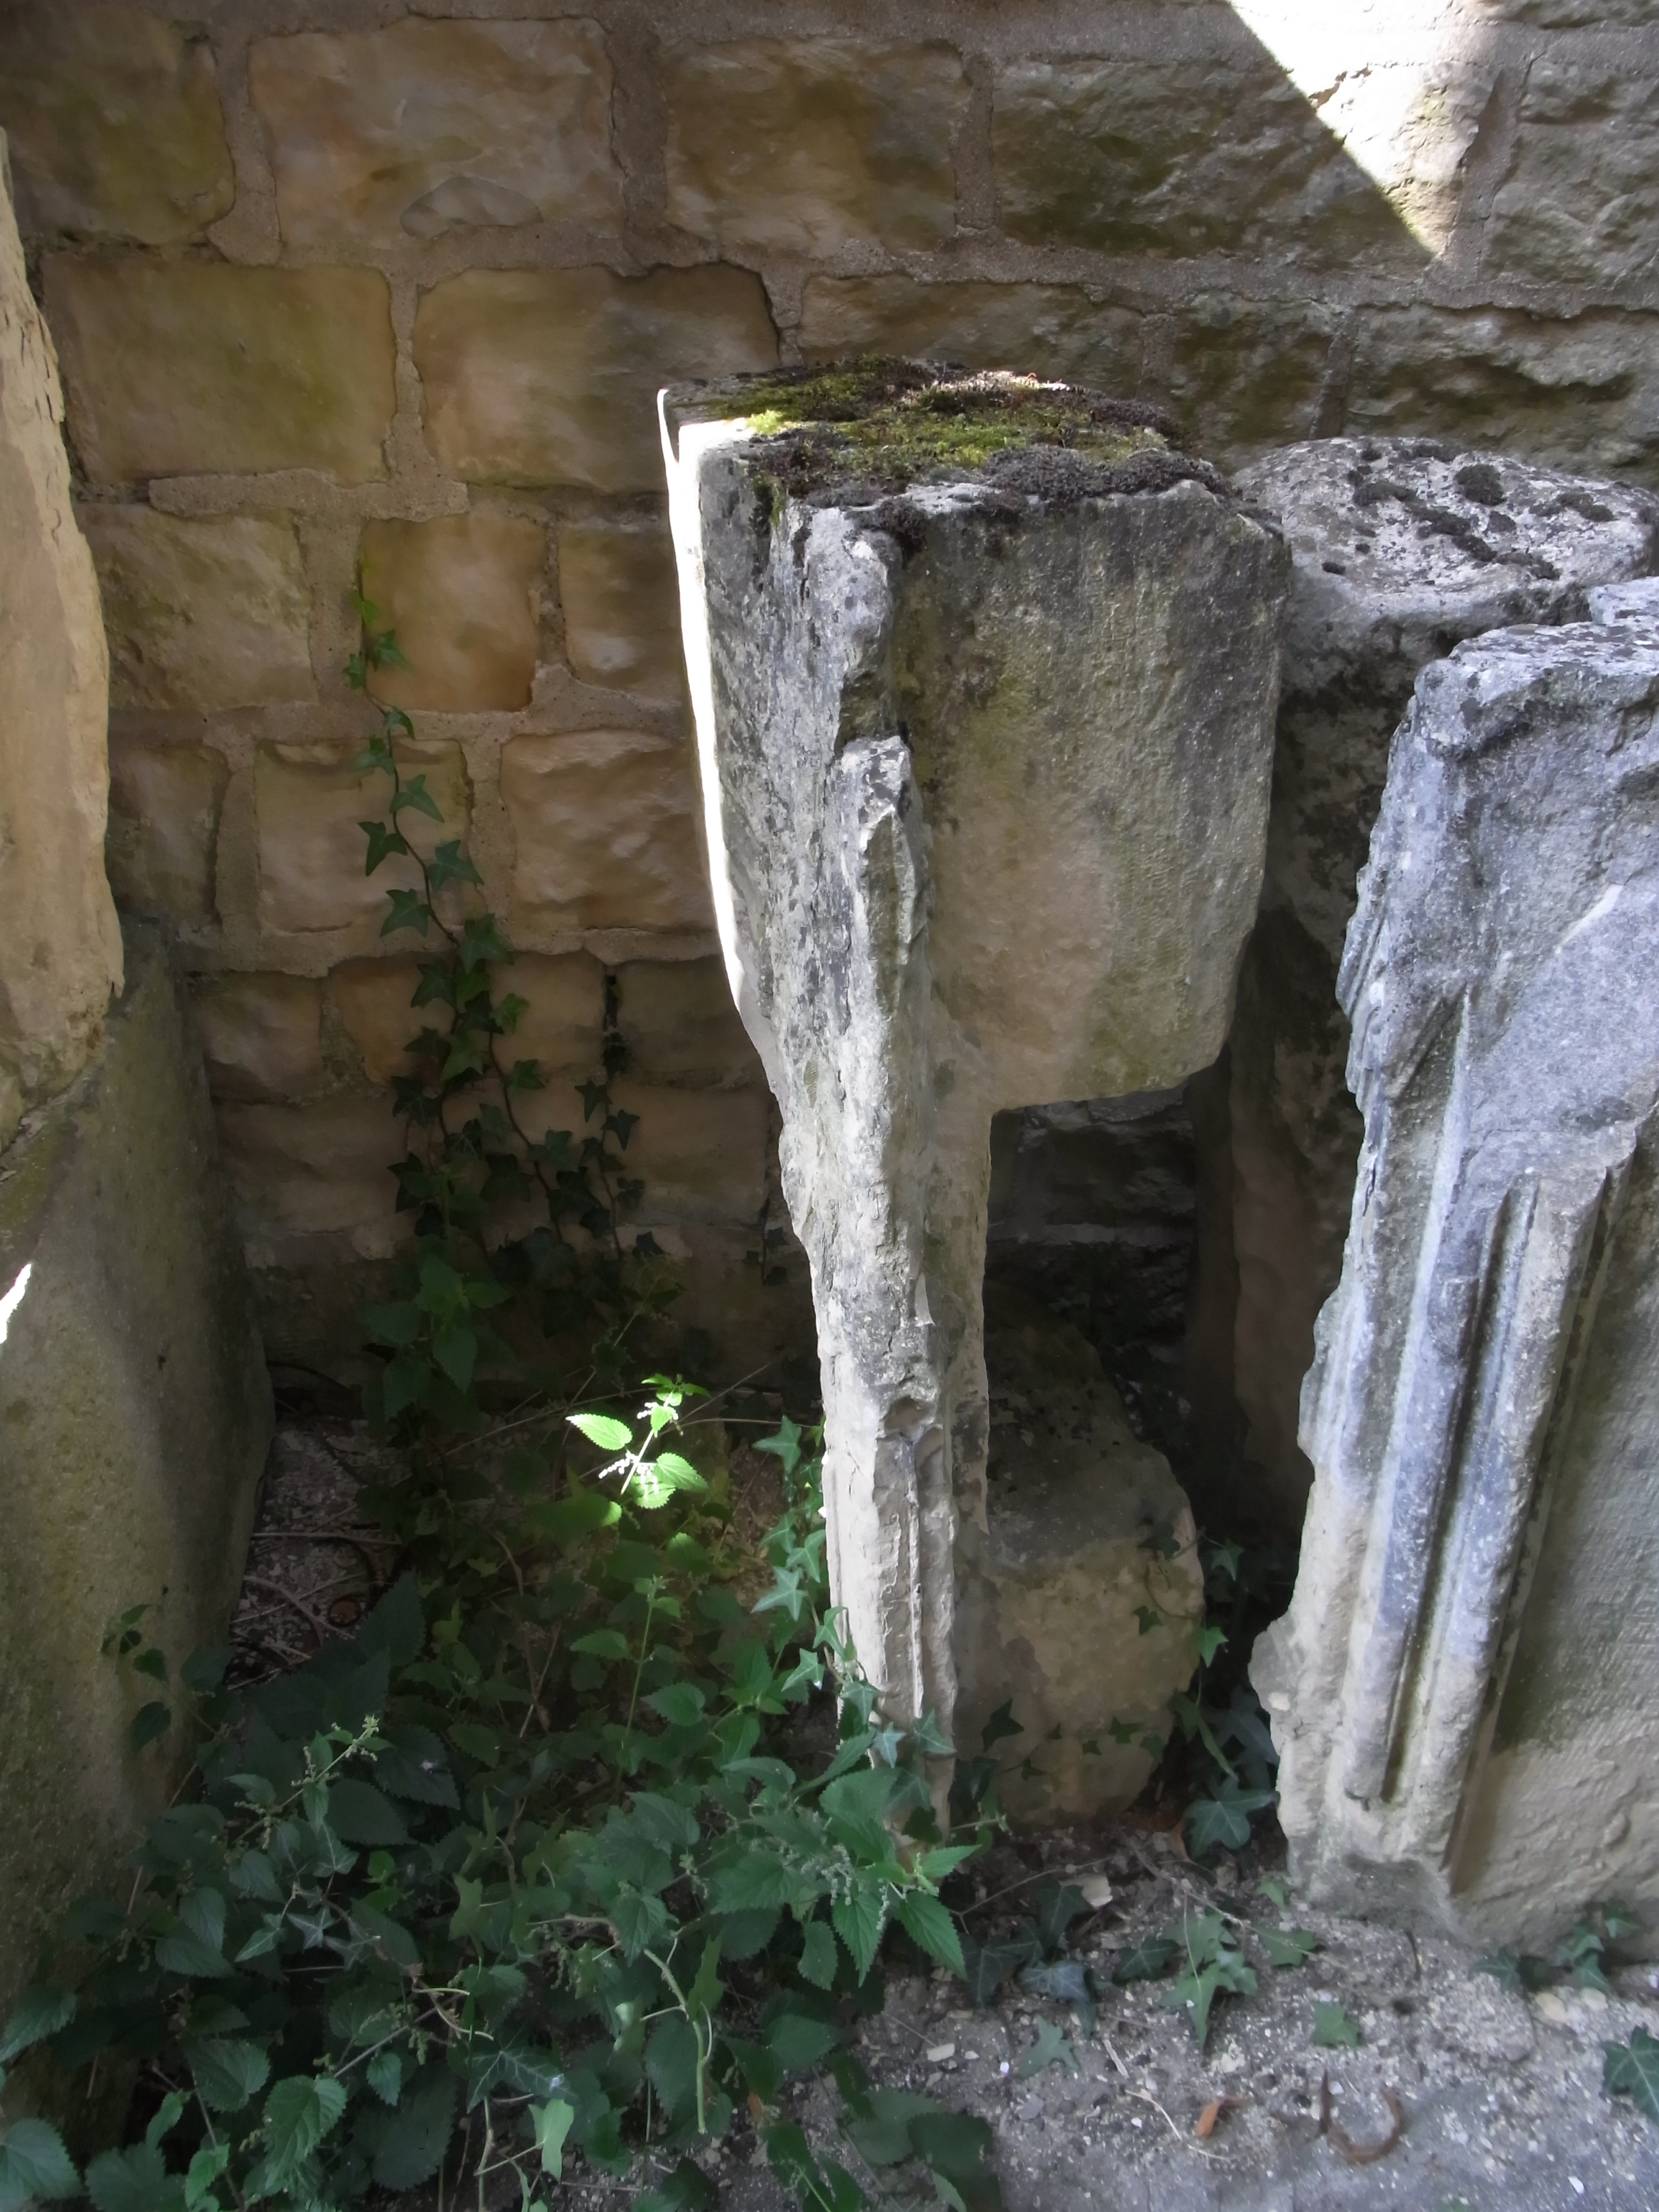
[{"x": 1499, "y": 2095}]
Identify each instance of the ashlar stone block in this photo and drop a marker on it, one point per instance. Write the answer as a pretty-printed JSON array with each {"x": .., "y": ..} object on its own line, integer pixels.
[
  {"x": 464, "y": 593},
  {"x": 423, "y": 127},
  {"x": 1579, "y": 204},
  {"x": 1462, "y": 1688},
  {"x": 60, "y": 950},
  {"x": 622, "y": 622},
  {"x": 561, "y": 1024},
  {"x": 605, "y": 823},
  {"x": 314, "y": 1183},
  {"x": 680, "y": 1026},
  {"x": 1399, "y": 548},
  {"x": 202, "y": 614},
  {"x": 811, "y": 145},
  {"x": 261, "y": 1034},
  {"x": 1055, "y": 329},
  {"x": 161, "y": 849},
  {"x": 310, "y": 802},
  {"x": 200, "y": 368},
  {"x": 549, "y": 376},
  {"x": 700, "y": 1154},
  {"x": 114, "y": 124},
  {"x": 1200, "y": 153},
  {"x": 985, "y": 732}
]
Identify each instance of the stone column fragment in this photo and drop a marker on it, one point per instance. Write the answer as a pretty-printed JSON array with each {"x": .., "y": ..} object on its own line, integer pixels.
[
  {"x": 984, "y": 729},
  {"x": 60, "y": 945},
  {"x": 1401, "y": 547},
  {"x": 1462, "y": 1688}
]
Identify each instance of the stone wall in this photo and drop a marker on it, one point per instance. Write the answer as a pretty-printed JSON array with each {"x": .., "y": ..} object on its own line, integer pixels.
[{"x": 334, "y": 282}]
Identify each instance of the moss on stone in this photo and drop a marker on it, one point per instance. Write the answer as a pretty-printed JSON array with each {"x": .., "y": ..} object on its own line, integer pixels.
[{"x": 892, "y": 422}]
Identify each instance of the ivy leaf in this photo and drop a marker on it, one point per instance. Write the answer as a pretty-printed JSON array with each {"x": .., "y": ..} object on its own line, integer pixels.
[
  {"x": 409, "y": 911},
  {"x": 1149, "y": 1617},
  {"x": 1145, "y": 1961},
  {"x": 1287, "y": 1947},
  {"x": 299, "y": 2112},
  {"x": 382, "y": 842},
  {"x": 601, "y": 1428},
  {"x": 48, "y": 2007},
  {"x": 1001, "y": 1723},
  {"x": 1052, "y": 2048},
  {"x": 449, "y": 865},
  {"x": 1223, "y": 1821},
  {"x": 986, "y": 1966},
  {"x": 414, "y": 793},
  {"x": 1631, "y": 2070},
  {"x": 1333, "y": 2029},
  {"x": 1209, "y": 1641},
  {"x": 33, "y": 2164}
]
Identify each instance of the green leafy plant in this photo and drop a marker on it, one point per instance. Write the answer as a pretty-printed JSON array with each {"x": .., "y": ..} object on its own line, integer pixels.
[
  {"x": 1207, "y": 1950},
  {"x": 1632, "y": 2069},
  {"x": 1333, "y": 2029}
]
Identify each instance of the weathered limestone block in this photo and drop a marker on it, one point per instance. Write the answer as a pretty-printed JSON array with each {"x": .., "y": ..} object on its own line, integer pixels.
[
  {"x": 161, "y": 852},
  {"x": 562, "y": 1025},
  {"x": 202, "y": 614},
  {"x": 261, "y": 1034},
  {"x": 810, "y": 145},
  {"x": 1216, "y": 153},
  {"x": 1400, "y": 549},
  {"x": 1580, "y": 393},
  {"x": 606, "y": 824},
  {"x": 680, "y": 1026},
  {"x": 1245, "y": 374},
  {"x": 194, "y": 368},
  {"x": 1057, "y": 327},
  {"x": 378, "y": 137},
  {"x": 546, "y": 376},
  {"x": 114, "y": 121},
  {"x": 985, "y": 732},
  {"x": 60, "y": 946},
  {"x": 700, "y": 1154},
  {"x": 1462, "y": 1690},
  {"x": 1087, "y": 1526},
  {"x": 313, "y": 1183},
  {"x": 135, "y": 1413},
  {"x": 621, "y": 616},
  {"x": 464, "y": 593},
  {"x": 1580, "y": 202},
  {"x": 311, "y": 801}
]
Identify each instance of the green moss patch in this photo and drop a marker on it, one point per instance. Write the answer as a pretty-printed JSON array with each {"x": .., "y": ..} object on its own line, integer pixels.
[{"x": 891, "y": 422}]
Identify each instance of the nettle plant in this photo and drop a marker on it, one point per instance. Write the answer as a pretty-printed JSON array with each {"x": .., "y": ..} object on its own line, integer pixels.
[{"x": 533, "y": 1864}]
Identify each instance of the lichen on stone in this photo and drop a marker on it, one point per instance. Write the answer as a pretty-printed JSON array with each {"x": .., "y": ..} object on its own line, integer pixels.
[{"x": 891, "y": 422}]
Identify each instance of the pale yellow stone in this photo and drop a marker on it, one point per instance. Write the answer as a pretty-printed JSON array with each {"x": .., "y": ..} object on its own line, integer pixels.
[
  {"x": 551, "y": 375},
  {"x": 323, "y": 1168},
  {"x": 702, "y": 1155},
  {"x": 114, "y": 122},
  {"x": 310, "y": 802},
  {"x": 622, "y": 607},
  {"x": 680, "y": 1025},
  {"x": 424, "y": 127},
  {"x": 193, "y": 368},
  {"x": 1049, "y": 329},
  {"x": 604, "y": 822},
  {"x": 164, "y": 806},
  {"x": 464, "y": 593},
  {"x": 60, "y": 946},
  {"x": 811, "y": 145},
  {"x": 261, "y": 1034},
  {"x": 562, "y": 1026},
  {"x": 202, "y": 614},
  {"x": 1188, "y": 154},
  {"x": 1579, "y": 203}
]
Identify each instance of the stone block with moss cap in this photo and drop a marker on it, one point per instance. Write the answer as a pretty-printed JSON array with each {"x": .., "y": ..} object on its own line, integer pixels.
[{"x": 983, "y": 671}]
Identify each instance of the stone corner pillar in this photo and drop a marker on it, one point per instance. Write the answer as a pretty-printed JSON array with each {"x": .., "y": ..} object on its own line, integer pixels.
[
  {"x": 1462, "y": 1689},
  {"x": 983, "y": 674},
  {"x": 60, "y": 945}
]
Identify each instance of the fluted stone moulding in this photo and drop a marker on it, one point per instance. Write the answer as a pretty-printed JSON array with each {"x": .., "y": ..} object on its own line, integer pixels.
[
  {"x": 985, "y": 731},
  {"x": 1462, "y": 1690}
]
